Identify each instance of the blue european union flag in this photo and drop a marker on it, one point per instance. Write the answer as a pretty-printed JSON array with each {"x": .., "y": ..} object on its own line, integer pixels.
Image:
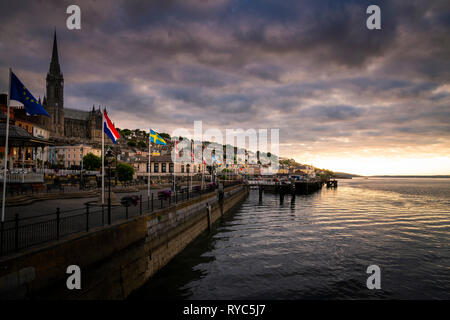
[{"x": 19, "y": 93}]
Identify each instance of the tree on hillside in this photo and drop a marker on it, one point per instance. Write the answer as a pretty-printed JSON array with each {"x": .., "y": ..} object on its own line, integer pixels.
[
  {"x": 92, "y": 162},
  {"x": 125, "y": 132},
  {"x": 142, "y": 144},
  {"x": 165, "y": 136}
]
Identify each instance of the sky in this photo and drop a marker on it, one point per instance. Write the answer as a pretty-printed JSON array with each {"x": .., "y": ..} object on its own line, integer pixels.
[{"x": 343, "y": 97}]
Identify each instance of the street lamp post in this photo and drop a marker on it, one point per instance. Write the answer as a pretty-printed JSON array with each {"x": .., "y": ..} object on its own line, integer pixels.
[
  {"x": 109, "y": 158},
  {"x": 81, "y": 172},
  {"x": 115, "y": 175}
]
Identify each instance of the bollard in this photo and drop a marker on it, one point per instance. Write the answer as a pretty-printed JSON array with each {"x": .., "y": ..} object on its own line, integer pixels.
[{"x": 58, "y": 212}]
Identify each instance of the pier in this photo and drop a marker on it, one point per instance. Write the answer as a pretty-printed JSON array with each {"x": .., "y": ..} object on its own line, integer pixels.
[
  {"x": 288, "y": 187},
  {"x": 332, "y": 184}
]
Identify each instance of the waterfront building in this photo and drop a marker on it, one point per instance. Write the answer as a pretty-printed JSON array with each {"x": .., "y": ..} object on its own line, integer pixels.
[{"x": 69, "y": 156}]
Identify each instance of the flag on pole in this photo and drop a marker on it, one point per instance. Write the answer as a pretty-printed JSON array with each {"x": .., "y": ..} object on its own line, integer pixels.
[
  {"x": 215, "y": 161},
  {"x": 155, "y": 138},
  {"x": 109, "y": 128},
  {"x": 20, "y": 93}
]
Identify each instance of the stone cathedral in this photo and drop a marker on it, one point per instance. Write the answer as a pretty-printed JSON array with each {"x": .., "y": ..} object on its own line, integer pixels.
[{"x": 64, "y": 124}]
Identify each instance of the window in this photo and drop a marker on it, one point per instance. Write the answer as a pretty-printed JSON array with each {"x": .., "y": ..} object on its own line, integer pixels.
[
  {"x": 171, "y": 167},
  {"x": 188, "y": 167},
  {"x": 156, "y": 167},
  {"x": 182, "y": 168},
  {"x": 163, "y": 167}
]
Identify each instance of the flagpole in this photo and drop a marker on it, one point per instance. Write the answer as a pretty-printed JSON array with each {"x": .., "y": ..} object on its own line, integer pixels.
[
  {"x": 191, "y": 169},
  {"x": 149, "y": 162},
  {"x": 174, "y": 169},
  {"x": 203, "y": 174},
  {"x": 6, "y": 147},
  {"x": 103, "y": 156}
]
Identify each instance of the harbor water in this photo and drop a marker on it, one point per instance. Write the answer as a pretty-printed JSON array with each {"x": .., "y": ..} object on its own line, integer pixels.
[{"x": 319, "y": 246}]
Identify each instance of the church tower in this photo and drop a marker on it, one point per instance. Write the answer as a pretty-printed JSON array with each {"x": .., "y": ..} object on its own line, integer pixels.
[{"x": 55, "y": 95}]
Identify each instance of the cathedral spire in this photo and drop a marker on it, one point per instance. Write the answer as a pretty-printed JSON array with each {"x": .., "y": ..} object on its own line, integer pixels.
[{"x": 54, "y": 64}]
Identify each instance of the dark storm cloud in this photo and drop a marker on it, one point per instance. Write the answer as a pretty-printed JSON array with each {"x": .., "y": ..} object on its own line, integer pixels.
[
  {"x": 332, "y": 113},
  {"x": 308, "y": 67}
]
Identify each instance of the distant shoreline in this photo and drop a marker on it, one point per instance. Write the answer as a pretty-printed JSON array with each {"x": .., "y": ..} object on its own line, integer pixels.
[{"x": 397, "y": 176}]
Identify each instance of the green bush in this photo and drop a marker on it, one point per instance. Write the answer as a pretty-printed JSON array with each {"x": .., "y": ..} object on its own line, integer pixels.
[
  {"x": 125, "y": 171},
  {"x": 91, "y": 162}
]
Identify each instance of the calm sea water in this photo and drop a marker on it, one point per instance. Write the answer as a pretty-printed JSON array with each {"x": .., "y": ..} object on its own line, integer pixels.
[{"x": 319, "y": 246}]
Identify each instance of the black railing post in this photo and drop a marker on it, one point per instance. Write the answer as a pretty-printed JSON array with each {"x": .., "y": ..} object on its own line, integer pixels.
[
  {"x": 176, "y": 200},
  {"x": 148, "y": 202},
  {"x": 16, "y": 232},
  {"x": 103, "y": 214},
  {"x": 161, "y": 202},
  {"x": 87, "y": 217},
  {"x": 152, "y": 201},
  {"x": 58, "y": 212},
  {"x": 140, "y": 204},
  {"x": 109, "y": 216},
  {"x": 1, "y": 237},
  {"x": 126, "y": 212}
]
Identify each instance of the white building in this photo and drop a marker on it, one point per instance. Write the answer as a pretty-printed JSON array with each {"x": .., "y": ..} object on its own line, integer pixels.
[
  {"x": 40, "y": 132},
  {"x": 70, "y": 155}
]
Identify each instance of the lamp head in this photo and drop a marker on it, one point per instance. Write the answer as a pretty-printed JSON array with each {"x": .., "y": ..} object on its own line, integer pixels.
[{"x": 109, "y": 156}]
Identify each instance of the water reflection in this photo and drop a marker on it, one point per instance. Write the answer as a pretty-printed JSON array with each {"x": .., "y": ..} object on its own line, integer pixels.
[{"x": 319, "y": 246}]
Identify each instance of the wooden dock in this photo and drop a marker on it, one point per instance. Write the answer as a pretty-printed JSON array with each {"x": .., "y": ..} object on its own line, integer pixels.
[
  {"x": 332, "y": 184},
  {"x": 297, "y": 187}
]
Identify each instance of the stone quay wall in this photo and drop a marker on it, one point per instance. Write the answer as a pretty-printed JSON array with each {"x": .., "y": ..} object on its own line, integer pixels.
[{"x": 113, "y": 260}]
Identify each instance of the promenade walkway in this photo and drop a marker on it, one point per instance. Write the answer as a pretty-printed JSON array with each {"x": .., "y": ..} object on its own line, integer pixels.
[{"x": 25, "y": 230}]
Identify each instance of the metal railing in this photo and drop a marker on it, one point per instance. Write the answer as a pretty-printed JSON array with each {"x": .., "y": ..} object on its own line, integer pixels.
[
  {"x": 25, "y": 177},
  {"x": 21, "y": 233}
]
